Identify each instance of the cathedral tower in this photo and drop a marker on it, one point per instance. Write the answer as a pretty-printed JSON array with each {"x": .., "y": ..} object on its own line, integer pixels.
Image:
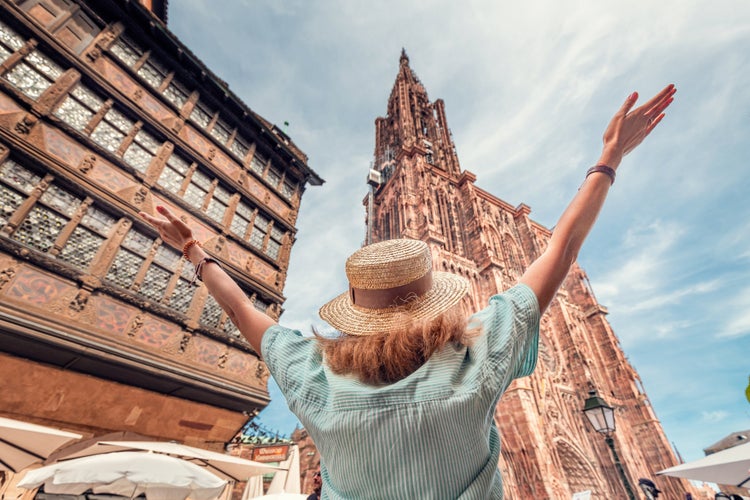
[{"x": 549, "y": 450}]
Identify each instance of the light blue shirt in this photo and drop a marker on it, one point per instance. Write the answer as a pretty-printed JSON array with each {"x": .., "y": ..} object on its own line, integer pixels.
[{"x": 431, "y": 435}]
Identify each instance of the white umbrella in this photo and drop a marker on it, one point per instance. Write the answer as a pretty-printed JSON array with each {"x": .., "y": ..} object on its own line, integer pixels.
[
  {"x": 129, "y": 474},
  {"x": 23, "y": 444},
  {"x": 225, "y": 466},
  {"x": 730, "y": 467}
]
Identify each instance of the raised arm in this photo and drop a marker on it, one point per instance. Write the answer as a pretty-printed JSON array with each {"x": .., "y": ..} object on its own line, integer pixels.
[
  {"x": 251, "y": 322},
  {"x": 625, "y": 132}
]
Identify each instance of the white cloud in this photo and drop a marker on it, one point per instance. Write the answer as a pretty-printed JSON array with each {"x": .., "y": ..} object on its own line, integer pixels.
[{"x": 714, "y": 416}]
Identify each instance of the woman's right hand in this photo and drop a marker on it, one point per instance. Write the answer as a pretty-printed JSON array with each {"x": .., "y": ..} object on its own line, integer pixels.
[
  {"x": 628, "y": 128},
  {"x": 171, "y": 229}
]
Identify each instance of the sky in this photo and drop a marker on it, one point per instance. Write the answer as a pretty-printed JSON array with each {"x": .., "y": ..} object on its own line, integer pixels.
[{"x": 529, "y": 88}]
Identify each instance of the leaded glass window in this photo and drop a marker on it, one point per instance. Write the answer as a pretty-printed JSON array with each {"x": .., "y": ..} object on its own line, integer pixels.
[
  {"x": 218, "y": 204},
  {"x": 173, "y": 175},
  {"x": 126, "y": 51},
  {"x": 183, "y": 292},
  {"x": 260, "y": 226},
  {"x": 230, "y": 329},
  {"x": 87, "y": 238},
  {"x": 288, "y": 189},
  {"x": 111, "y": 131},
  {"x": 201, "y": 115},
  {"x": 211, "y": 314},
  {"x": 258, "y": 164},
  {"x": 34, "y": 75},
  {"x": 221, "y": 131},
  {"x": 10, "y": 41},
  {"x": 153, "y": 72},
  {"x": 274, "y": 176},
  {"x": 274, "y": 243},
  {"x": 79, "y": 107},
  {"x": 47, "y": 218},
  {"x": 61, "y": 200},
  {"x": 242, "y": 216},
  {"x": 141, "y": 151},
  {"x": 261, "y": 305},
  {"x": 196, "y": 192},
  {"x": 129, "y": 258},
  {"x": 160, "y": 273},
  {"x": 176, "y": 94},
  {"x": 239, "y": 148},
  {"x": 16, "y": 182}
]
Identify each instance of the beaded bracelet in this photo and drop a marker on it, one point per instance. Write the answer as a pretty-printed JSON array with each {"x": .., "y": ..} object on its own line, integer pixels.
[
  {"x": 187, "y": 247},
  {"x": 604, "y": 169}
]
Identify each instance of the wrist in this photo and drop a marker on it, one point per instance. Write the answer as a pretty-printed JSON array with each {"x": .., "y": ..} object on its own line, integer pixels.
[
  {"x": 190, "y": 249},
  {"x": 610, "y": 158}
]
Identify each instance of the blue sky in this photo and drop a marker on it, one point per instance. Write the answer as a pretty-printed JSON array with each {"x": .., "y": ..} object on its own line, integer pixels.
[{"x": 529, "y": 89}]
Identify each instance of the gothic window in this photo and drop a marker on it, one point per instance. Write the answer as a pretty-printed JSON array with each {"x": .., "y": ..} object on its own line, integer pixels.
[
  {"x": 79, "y": 107},
  {"x": 10, "y": 41},
  {"x": 34, "y": 74}
]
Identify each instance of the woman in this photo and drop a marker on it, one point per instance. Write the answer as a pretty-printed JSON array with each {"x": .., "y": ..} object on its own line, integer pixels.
[{"x": 401, "y": 406}]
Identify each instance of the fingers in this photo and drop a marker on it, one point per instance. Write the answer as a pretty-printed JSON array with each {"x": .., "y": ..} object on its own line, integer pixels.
[
  {"x": 628, "y": 104},
  {"x": 167, "y": 213},
  {"x": 150, "y": 219},
  {"x": 665, "y": 93}
]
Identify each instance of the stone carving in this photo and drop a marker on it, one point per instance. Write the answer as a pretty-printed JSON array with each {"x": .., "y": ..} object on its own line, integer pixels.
[
  {"x": 262, "y": 373},
  {"x": 135, "y": 325},
  {"x": 138, "y": 95},
  {"x": 94, "y": 54},
  {"x": 79, "y": 301},
  {"x": 185, "y": 342},
  {"x": 223, "y": 359},
  {"x": 6, "y": 275},
  {"x": 87, "y": 163},
  {"x": 140, "y": 196},
  {"x": 211, "y": 154},
  {"x": 25, "y": 124}
]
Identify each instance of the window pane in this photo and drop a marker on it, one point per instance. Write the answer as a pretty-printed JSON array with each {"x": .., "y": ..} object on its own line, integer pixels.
[
  {"x": 44, "y": 65},
  {"x": 176, "y": 94},
  {"x": 155, "y": 282},
  {"x": 277, "y": 233},
  {"x": 258, "y": 164},
  {"x": 81, "y": 247},
  {"x": 153, "y": 72},
  {"x": 120, "y": 121},
  {"x": 107, "y": 136},
  {"x": 148, "y": 141},
  {"x": 195, "y": 195},
  {"x": 137, "y": 157},
  {"x": 239, "y": 148},
  {"x": 201, "y": 180},
  {"x": 27, "y": 80},
  {"x": 200, "y": 115},
  {"x": 220, "y": 131},
  {"x": 274, "y": 176},
  {"x": 16, "y": 175},
  {"x": 216, "y": 210},
  {"x": 126, "y": 51},
  {"x": 10, "y": 38},
  {"x": 60, "y": 200},
  {"x": 167, "y": 257},
  {"x": 10, "y": 200},
  {"x": 260, "y": 305},
  {"x": 211, "y": 313},
  {"x": 99, "y": 221},
  {"x": 239, "y": 225},
  {"x": 137, "y": 242},
  {"x": 182, "y": 295},
  {"x": 287, "y": 190},
  {"x": 273, "y": 249},
  {"x": 171, "y": 180},
  {"x": 74, "y": 113},
  {"x": 88, "y": 98},
  {"x": 40, "y": 229},
  {"x": 124, "y": 268}
]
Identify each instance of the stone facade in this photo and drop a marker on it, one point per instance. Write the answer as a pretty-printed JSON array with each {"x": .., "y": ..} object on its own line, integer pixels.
[
  {"x": 104, "y": 113},
  {"x": 549, "y": 449}
]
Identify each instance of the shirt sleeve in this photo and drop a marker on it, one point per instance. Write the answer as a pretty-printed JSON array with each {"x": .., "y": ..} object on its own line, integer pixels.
[
  {"x": 510, "y": 334},
  {"x": 288, "y": 355}
]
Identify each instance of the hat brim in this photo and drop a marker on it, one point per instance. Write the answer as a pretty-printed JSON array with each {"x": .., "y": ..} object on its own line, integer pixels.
[{"x": 447, "y": 290}]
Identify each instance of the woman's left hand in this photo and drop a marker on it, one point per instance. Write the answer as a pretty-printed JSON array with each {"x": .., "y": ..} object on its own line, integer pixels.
[
  {"x": 171, "y": 229},
  {"x": 629, "y": 127}
]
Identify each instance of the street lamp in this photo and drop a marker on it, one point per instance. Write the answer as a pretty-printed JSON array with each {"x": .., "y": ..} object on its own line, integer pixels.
[{"x": 602, "y": 418}]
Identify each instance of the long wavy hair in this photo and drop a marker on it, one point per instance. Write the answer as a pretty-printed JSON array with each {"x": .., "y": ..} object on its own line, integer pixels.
[{"x": 388, "y": 357}]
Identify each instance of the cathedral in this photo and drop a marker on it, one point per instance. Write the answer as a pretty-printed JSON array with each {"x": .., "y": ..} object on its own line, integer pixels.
[{"x": 549, "y": 449}]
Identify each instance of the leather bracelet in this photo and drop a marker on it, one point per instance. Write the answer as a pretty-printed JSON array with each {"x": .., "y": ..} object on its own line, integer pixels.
[
  {"x": 604, "y": 169},
  {"x": 187, "y": 247},
  {"x": 199, "y": 268}
]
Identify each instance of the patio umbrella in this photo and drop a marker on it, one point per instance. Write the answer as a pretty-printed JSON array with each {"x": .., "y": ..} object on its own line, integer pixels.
[
  {"x": 128, "y": 474},
  {"x": 225, "y": 466},
  {"x": 729, "y": 467},
  {"x": 23, "y": 444}
]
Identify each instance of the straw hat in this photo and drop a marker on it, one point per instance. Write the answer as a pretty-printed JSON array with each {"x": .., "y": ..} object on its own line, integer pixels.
[{"x": 392, "y": 282}]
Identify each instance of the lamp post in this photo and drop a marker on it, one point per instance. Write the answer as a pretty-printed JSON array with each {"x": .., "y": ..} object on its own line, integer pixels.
[{"x": 602, "y": 418}]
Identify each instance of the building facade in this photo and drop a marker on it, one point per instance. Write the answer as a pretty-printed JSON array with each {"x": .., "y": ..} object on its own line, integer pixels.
[
  {"x": 104, "y": 113},
  {"x": 549, "y": 450}
]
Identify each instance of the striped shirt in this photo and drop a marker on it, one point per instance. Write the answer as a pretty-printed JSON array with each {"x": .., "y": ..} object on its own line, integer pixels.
[{"x": 431, "y": 435}]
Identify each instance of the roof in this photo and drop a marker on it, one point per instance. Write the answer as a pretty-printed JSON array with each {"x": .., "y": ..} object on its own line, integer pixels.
[{"x": 734, "y": 439}]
